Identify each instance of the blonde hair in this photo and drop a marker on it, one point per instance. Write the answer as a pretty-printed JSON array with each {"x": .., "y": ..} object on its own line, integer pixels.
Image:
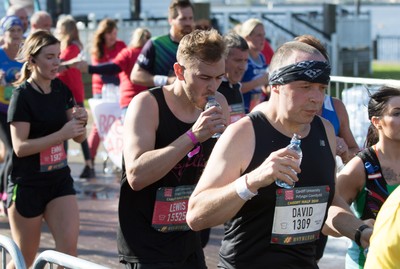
[
  {"x": 31, "y": 48},
  {"x": 67, "y": 32},
  {"x": 139, "y": 37},
  {"x": 248, "y": 26},
  {"x": 205, "y": 46}
]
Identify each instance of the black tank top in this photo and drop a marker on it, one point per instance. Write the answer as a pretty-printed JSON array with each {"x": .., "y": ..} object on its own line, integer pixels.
[
  {"x": 137, "y": 240},
  {"x": 231, "y": 92},
  {"x": 234, "y": 98},
  {"x": 248, "y": 235},
  {"x": 370, "y": 200}
]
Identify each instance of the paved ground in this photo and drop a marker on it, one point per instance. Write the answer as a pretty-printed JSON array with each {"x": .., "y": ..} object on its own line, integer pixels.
[{"x": 98, "y": 203}]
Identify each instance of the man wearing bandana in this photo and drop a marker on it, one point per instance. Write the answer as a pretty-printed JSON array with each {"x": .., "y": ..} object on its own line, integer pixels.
[{"x": 267, "y": 226}]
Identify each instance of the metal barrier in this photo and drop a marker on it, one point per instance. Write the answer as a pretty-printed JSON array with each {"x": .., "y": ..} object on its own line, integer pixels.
[
  {"x": 8, "y": 245},
  {"x": 354, "y": 92},
  {"x": 386, "y": 48},
  {"x": 54, "y": 257},
  {"x": 339, "y": 83}
]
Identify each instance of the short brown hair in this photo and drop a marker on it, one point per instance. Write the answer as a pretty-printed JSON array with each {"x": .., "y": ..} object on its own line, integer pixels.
[
  {"x": 175, "y": 4},
  {"x": 205, "y": 46},
  {"x": 282, "y": 54},
  {"x": 313, "y": 41}
]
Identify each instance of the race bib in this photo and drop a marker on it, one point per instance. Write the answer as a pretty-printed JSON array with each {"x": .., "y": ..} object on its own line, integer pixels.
[
  {"x": 255, "y": 99},
  {"x": 236, "y": 112},
  {"x": 53, "y": 158},
  {"x": 299, "y": 214},
  {"x": 170, "y": 208}
]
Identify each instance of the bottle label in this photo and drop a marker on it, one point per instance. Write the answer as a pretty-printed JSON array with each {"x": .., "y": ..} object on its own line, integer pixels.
[
  {"x": 299, "y": 214},
  {"x": 170, "y": 208}
]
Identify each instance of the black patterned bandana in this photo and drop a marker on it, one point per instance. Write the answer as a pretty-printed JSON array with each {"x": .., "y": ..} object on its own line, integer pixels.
[{"x": 311, "y": 71}]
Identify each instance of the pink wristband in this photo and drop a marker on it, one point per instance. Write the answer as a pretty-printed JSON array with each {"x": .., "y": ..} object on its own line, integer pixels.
[
  {"x": 195, "y": 142},
  {"x": 192, "y": 137}
]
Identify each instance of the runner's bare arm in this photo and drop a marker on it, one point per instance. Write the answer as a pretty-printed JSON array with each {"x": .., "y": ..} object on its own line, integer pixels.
[
  {"x": 24, "y": 146},
  {"x": 141, "y": 77},
  {"x": 145, "y": 164},
  {"x": 215, "y": 199}
]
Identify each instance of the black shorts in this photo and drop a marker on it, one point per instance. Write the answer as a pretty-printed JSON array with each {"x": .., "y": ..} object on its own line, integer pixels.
[
  {"x": 194, "y": 261},
  {"x": 31, "y": 201}
]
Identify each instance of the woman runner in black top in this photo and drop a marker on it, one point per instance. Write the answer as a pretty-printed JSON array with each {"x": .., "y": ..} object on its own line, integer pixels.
[{"x": 42, "y": 116}]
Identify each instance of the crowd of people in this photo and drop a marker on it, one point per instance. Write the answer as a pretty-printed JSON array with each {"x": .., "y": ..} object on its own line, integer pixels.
[{"x": 178, "y": 180}]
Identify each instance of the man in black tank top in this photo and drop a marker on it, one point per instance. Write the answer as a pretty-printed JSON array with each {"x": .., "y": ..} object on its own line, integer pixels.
[
  {"x": 267, "y": 226},
  {"x": 235, "y": 66},
  {"x": 167, "y": 141}
]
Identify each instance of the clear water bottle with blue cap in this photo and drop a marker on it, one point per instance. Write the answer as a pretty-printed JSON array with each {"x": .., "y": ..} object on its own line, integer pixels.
[
  {"x": 295, "y": 146},
  {"x": 210, "y": 103}
]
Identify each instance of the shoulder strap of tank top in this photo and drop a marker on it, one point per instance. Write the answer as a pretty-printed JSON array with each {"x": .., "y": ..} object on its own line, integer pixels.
[
  {"x": 370, "y": 160},
  {"x": 158, "y": 93}
]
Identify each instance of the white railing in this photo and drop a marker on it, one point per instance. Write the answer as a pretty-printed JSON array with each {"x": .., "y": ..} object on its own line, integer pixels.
[
  {"x": 354, "y": 92},
  {"x": 54, "y": 257},
  {"x": 8, "y": 245}
]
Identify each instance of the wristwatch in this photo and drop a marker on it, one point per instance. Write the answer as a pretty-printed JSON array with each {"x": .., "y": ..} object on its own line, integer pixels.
[{"x": 357, "y": 236}]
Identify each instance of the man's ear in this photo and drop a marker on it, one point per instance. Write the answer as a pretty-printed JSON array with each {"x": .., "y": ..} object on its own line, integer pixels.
[
  {"x": 179, "y": 71},
  {"x": 274, "y": 88}
]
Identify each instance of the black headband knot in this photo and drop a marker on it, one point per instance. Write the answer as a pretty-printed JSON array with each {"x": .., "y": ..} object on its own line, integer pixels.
[{"x": 311, "y": 71}]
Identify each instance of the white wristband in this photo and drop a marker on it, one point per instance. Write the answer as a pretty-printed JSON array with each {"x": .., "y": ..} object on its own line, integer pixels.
[
  {"x": 160, "y": 80},
  {"x": 242, "y": 190}
]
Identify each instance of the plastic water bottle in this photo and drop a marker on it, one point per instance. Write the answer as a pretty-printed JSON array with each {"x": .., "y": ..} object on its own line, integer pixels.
[
  {"x": 210, "y": 103},
  {"x": 110, "y": 92},
  {"x": 295, "y": 146}
]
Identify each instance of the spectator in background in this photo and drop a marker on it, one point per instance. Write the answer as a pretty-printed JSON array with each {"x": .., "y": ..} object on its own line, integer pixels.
[
  {"x": 12, "y": 32},
  {"x": 71, "y": 47},
  {"x": 29, "y": 5},
  {"x": 267, "y": 51},
  {"x": 41, "y": 20},
  {"x": 235, "y": 66},
  {"x": 154, "y": 66},
  {"x": 105, "y": 48},
  {"x": 256, "y": 76},
  {"x": 122, "y": 64},
  {"x": 202, "y": 24},
  {"x": 367, "y": 180},
  {"x": 21, "y": 13}
]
